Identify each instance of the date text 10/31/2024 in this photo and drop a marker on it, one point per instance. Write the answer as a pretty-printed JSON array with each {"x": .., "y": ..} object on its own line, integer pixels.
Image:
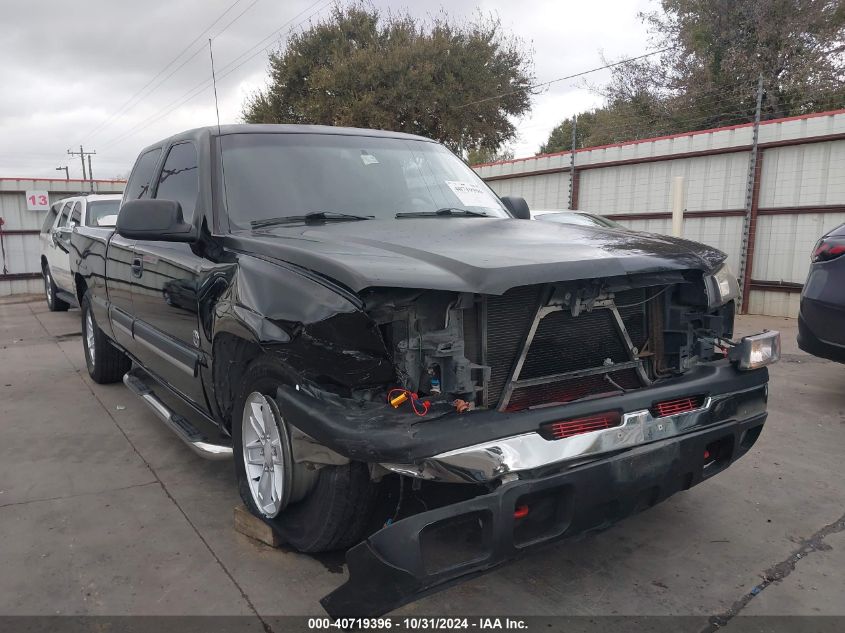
[{"x": 419, "y": 623}]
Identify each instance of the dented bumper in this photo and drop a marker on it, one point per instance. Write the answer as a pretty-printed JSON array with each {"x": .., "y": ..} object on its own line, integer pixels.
[
  {"x": 376, "y": 433},
  {"x": 431, "y": 550}
]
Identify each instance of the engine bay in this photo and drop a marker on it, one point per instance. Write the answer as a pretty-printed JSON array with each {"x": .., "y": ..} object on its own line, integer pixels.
[{"x": 546, "y": 344}]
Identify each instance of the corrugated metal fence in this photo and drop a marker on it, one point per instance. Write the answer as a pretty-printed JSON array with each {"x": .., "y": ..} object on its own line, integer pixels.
[
  {"x": 21, "y": 226},
  {"x": 799, "y": 193}
]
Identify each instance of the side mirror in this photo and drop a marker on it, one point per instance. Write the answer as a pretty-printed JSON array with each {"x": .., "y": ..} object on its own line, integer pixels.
[
  {"x": 517, "y": 206},
  {"x": 154, "y": 220}
]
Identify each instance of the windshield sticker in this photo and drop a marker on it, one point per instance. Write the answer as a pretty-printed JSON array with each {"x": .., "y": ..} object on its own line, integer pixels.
[
  {"x": 471, "y": 194},
  {"x": 367, "y": 158}
]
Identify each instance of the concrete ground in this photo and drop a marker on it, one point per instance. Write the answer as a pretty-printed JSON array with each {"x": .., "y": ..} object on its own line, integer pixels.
[{"x": 104, "y": 511}]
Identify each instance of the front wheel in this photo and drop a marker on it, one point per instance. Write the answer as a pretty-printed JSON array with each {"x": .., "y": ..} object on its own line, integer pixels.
[
  {"x": 106, "y": 363},
  {"x": 312, "y": 510}
]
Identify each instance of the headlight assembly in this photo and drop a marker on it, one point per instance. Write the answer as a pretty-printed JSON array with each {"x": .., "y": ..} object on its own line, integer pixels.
[{"x": 722, "y": 287}]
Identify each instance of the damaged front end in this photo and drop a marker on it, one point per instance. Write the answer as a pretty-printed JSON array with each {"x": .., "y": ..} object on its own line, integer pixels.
[
  {"x": 555, "y": 408},
  {"x": 548, "y": 344}
]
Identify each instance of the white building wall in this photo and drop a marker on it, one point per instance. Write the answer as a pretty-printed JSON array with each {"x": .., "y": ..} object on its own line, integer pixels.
[
  {"x": 710, "y": 183},
  {"x": 804, "y": 175},
  {"x": 784, "y": 244}
]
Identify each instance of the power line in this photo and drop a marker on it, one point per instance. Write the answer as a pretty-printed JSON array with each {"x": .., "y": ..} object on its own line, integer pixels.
[
  {"x": 196, "y": 52},
  {"x": 124, "y": 108},
  {"x": 581, "y": 74},
  {"x": 225, "y": 71}
]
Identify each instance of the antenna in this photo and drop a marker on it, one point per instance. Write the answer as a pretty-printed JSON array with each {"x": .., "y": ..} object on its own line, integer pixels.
[{"x": 214, "y": 83}]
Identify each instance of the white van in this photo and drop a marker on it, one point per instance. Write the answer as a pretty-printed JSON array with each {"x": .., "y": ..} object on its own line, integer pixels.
[{"x": 62, "y": 218}]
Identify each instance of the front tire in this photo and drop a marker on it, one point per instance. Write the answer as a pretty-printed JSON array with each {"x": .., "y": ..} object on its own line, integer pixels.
[
  {"x": 312, "y": 511},
  {"x": 106, "y": 364},
  {"x": 53, "y": 302}
]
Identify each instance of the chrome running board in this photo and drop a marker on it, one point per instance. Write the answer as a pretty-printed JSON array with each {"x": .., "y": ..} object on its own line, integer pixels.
[{"x": 183, "y": 428}]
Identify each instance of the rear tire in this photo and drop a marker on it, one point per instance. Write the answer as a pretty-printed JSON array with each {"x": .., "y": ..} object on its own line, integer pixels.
[
  {"x": 337, "y": 502},
  {"x": 106, "y": 363},
  {"x": 53, "y": 302}
]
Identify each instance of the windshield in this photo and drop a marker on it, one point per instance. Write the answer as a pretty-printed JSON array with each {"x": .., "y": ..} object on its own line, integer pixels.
[
  {"x": 278, "y": 175},
  {"x": 102, "y": 212}
]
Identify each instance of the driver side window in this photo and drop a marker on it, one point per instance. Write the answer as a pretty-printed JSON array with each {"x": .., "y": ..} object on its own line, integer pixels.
[
  {"x": 179, "y": 180},
  {"x": 142, "y": 175}
]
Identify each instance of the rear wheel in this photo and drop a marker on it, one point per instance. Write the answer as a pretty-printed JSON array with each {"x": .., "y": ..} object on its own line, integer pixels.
[
  {"x": 53, "y": 302},
  {"x": 312, "y": 510},
  {"x": 106, "y": 363}
]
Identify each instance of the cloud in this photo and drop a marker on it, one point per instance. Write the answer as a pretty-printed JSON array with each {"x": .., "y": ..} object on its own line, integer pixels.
[{"x": 67, "y": 68}]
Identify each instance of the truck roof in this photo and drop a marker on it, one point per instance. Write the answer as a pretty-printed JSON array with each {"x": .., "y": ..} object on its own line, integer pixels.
[{"x": 202, "y": 133}]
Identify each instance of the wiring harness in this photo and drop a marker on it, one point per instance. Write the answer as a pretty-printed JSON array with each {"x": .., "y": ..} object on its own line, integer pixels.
[{"x": 397, "y": 397}]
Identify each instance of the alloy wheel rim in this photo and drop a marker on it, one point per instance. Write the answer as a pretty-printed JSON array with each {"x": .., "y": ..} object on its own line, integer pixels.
[
  {"x": 89, "y": 336},
  {"x": 263, "y": 456},
  {"x": 47, "y": 289}
]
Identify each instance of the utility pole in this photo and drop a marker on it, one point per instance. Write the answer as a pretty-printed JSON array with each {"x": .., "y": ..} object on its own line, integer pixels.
[
  {"x": 749, "y": 228},
  {"x": 82, "y": 154},
  {"x": 572, "y": 161},
  {"x": 66, "y": 170}
]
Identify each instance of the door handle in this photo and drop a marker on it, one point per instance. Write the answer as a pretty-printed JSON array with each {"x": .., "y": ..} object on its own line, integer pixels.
[{"x": 137, "y": 267}]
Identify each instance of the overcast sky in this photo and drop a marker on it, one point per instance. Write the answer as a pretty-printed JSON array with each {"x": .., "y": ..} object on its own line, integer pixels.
[{"x": 67, "y": 68}]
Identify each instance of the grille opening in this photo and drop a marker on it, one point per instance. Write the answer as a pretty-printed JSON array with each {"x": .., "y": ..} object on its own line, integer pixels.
[
  {"x": 561, "y": 343},
  {"x": 678, "y": 405},
  {"x": 574, "y": 389},
  {"x": 579, "y": 426},
  {"x": 549, "y": 515},
  {"x": 456, "y": 541},
  {"x": 565, "y": 343}
]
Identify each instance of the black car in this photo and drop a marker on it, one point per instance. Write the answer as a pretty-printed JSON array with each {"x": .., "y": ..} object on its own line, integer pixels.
[
  {"x": 399, "y": 362},
  {"x": 821, "y": 320}
]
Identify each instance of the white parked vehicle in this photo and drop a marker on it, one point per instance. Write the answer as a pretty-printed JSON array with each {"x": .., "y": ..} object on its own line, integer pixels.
[{"x": 62, "y": 218}]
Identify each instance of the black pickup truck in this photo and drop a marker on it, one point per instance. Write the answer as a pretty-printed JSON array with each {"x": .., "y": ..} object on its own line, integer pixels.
[{"x": 402, "y": 363}]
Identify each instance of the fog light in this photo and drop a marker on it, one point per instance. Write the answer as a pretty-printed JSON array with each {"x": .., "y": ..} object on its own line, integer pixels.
[{"x": 756, "y": 351}]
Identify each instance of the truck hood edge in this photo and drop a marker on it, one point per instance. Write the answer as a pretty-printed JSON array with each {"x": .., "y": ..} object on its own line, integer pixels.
[{"x": 479, "y": 255}]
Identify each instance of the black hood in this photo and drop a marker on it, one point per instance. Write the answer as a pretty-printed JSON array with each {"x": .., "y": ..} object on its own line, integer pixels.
[{"x": 482, "y": 255}]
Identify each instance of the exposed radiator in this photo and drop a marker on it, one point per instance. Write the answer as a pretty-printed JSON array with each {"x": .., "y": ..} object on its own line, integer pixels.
[
  {"x": 508, "y": 319},
  {"x": 562, "y": 343}
]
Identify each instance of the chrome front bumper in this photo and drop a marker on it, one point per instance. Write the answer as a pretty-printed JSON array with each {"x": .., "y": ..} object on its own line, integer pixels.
[{"x": 500, "y": 458}]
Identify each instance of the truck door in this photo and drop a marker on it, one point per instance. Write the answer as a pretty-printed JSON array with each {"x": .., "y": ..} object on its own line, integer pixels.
[
  {"x": 52, "y": 251},
  {"x": 60, "y": 264},
  {"x": 165, "y": 286},
  {"x": 120, "y": 256}
]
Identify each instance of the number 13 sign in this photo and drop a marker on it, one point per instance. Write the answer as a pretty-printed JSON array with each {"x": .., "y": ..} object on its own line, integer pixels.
[{"x": 37, "y": 201}]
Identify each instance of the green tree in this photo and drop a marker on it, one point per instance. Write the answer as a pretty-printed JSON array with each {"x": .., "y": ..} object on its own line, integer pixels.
[
  {"x": 459, "y": 83},
  {"x": 560, "y": 139},
  {"x": 719, "y": 48},
  {"x": 481, "y": 155},
  {"x": 715, "y": 51}
]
